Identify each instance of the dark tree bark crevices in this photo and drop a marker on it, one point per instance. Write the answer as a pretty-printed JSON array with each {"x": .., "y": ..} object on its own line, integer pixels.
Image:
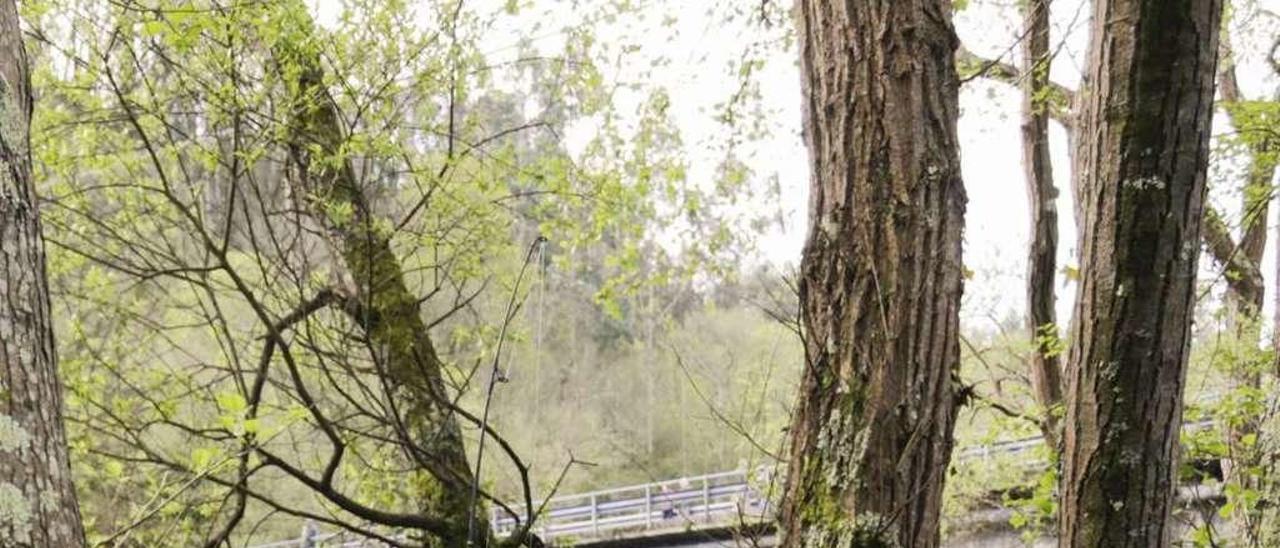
[
  {"x": 1141, "y": 157},
  {"x": 1241, "y": 264},
  {"x": 881, "y": 275}
]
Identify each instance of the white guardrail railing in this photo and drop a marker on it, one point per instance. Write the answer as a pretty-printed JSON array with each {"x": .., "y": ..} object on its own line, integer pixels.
[
  {"x": 722, "y": 498},
  {"x": 725, "y": 498}
]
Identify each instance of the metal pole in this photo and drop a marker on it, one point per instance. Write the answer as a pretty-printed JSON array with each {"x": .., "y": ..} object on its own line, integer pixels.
[
  {"x": 309, "y": 534},
  {"x": 706, "y": 498},
  {"x": 648, "y": 507},
  {"x": 595, "y": 516}
]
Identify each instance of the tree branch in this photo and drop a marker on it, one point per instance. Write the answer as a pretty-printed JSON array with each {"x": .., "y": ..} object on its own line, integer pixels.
[
  {"x": 971, "y": 65},
  {"x": 1243, "y": 276}
]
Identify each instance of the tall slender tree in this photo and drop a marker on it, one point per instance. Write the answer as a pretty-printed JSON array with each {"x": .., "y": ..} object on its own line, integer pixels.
[
  {"x": 1244, "y": 470},
  {"x": 881, "y": 275},
  {"x": 1246, "y": 295},
  {"x": 37, "y": 500},
  {"x": 1142, "y": 151},
  {"x": 1042, "y": 256}
]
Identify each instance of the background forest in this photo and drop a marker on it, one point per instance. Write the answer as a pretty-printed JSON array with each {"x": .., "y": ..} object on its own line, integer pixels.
[{"x": 602, "y": 201}]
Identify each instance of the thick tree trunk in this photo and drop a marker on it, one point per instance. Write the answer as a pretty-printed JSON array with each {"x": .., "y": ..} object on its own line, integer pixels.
[
  {"x": 37, "y": 500},
  {"x": 1142, "y": 152},
  {"x": 881, "y": 275},
  {"x": 1042, "y": 259},
  {"x": 382, "y": 302}
]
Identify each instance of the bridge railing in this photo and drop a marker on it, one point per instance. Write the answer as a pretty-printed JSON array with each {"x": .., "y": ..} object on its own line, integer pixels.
[
  {"x": 721, "y": 498},
  {"x": 724, "y": 497}
]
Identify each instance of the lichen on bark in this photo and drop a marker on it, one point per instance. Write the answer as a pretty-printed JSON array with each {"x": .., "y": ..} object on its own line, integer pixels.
[
  {"x": 1141, "y": 152},
  {"x": 880, "y": 278},
  {"x": 38, "y": 506}
]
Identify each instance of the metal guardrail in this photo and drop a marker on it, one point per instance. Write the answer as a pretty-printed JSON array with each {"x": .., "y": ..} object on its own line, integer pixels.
[
  {"x": 690, "y": 502},
  {"x": 726, "y": 497},
  {"x": 723, "y": 498}
]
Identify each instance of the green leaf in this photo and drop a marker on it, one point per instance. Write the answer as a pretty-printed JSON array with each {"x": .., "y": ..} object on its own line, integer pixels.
[
  {"x": 202, "y": 457},
  {"x": 152, "y": 28},
  {"x": 1072, "y": 273},
  {"x": 232, "y": 402}
]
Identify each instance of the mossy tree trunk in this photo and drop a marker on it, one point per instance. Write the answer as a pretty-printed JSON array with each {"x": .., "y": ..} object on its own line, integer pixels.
[
  {"x": 381, "y": 301},
  {"x": 1143, "y": 146},
  {"x": 881, "y": 275},
  {"x": 37, "y": 500}
]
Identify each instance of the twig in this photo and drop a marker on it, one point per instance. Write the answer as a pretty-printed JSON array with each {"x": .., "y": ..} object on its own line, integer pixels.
[{"x": 494, "y": 376}]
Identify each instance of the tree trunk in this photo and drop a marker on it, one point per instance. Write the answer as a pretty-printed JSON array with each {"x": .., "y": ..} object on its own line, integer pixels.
[
  {"x": 381, "y": 301},
  {"x": 1267, "y": 516},
  {"x": 1241, "y": 264},
  {"x": 37, "y": 500},
  {"x": 1042, "y": 259},
  {"x": 1256, "y": 195},
  {"x": 881, "y": 275},
  {"x": 1245, "y": 295},
  {"x": 1142, "y": 151}
]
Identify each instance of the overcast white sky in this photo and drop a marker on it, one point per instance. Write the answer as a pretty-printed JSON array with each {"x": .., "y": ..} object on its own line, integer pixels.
[
  {"x": 699, "y": 46},
  {"x": 997, "y": 217}
]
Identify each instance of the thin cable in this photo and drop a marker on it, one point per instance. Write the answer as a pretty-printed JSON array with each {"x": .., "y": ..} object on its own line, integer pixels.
[{"x": 488, "y": 398}]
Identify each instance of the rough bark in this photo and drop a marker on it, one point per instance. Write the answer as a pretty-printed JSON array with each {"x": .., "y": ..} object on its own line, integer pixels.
[
  {"x": 1142, "y": 152},
  {"x": 382, "y": 302},
  {"x": 881, "y": 275},
  {"x": 37, "y": 500},
  {"x": 1042, "y": 256},
  {"x": 1242, "y": 269}
]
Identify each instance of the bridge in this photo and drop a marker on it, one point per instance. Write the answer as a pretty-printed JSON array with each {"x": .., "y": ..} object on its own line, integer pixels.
[
  {"x": 686, "y": 511},
  {"x": 689, "y": 511},
  {"x": 700, "y": 510},
  {"x": 712, "y": 501}
]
